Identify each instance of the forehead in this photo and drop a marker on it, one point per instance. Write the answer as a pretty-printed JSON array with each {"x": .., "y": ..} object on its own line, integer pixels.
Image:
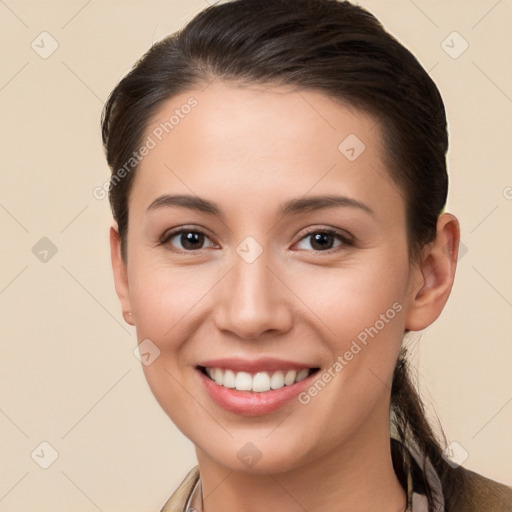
[{"x": 260, "y": 143}]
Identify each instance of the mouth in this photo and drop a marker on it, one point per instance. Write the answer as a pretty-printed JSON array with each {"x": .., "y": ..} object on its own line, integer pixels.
[
  {"x": 257, "y": 382},
  {"x": 253, "y": 389}
]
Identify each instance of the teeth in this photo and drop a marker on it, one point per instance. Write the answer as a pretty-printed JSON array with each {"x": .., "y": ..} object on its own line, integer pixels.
[
  {"x": 243, "y": 381},
  {"x": 218, "y": 376},
  {"x": 228, "y": 380},
  {"x": 289, "y": 378},
  {"x": 302, "y": 375},
  {"x": 259, "y": 382},
  {"x": 277, "y": 380}
]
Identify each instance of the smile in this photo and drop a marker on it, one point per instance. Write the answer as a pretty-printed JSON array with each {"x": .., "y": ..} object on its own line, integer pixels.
[
  {"x": 254, "y": 387},
  {"x": 259, "y": 382}
]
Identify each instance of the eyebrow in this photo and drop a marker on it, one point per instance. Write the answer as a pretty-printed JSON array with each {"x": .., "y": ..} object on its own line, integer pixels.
[{"x": 291, "y": 207}]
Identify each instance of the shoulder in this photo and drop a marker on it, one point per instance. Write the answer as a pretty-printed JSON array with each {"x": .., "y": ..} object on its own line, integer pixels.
[
  {"x": 179, "y": 498},
  {"x": 479, "y": 494}
]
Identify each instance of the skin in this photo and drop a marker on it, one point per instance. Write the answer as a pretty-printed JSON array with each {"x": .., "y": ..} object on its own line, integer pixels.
[{"x": 249, "y": 149}]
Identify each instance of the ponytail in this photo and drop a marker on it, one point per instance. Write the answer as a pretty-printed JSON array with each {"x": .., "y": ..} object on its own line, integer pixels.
[{"x": 413, "y": 429}]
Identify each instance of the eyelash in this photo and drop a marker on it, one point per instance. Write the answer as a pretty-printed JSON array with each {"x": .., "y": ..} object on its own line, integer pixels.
[{"x": 344, "y": 239}]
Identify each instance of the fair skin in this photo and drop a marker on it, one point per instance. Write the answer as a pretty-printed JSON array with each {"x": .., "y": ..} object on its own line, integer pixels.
[{"x": 249, "y": 150}]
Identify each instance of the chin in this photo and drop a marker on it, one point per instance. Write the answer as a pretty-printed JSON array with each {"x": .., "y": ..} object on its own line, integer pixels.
[{"x": 255, "y": 457}]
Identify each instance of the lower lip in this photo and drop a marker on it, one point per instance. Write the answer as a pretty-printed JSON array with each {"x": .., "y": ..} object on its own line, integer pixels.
[{"x": 251, "y": 403}]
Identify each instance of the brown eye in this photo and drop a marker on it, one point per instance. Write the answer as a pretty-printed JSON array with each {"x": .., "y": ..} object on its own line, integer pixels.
[
  {"x": 322, "y": 241},
  {"x": 188, "y": 240}
]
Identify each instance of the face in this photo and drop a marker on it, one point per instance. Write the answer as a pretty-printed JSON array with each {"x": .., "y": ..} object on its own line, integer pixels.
[{"x": 267, "y": 262}]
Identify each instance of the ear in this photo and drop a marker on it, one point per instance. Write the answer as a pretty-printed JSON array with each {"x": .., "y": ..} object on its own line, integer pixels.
[
  {"x": 433, "y": 276},
  {"x": 120, "y": 275}
]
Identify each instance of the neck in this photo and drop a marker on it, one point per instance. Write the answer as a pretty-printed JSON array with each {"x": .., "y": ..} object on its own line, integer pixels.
[{"x": 357, "y": 475}]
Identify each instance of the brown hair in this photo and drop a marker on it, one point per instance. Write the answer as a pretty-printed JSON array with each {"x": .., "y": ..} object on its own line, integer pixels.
[{"x": 324, "y": 45}]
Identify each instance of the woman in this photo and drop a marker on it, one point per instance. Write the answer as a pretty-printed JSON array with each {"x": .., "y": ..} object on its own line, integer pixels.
[{"x": 278, "y": 184}]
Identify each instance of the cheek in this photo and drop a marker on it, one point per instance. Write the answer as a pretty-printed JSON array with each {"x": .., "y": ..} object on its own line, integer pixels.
[
  {"x": 168, "y": 305},
  {"x": 350, "y": 301},
  {"x": 163, "y": 299},
  {"x": 365, "y": 320},
  {"x": 362, "y": 313}
]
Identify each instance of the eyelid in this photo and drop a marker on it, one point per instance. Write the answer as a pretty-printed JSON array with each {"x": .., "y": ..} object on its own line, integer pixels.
[
  {"x": 342, "y": 234},
  {"x": 171, "y": 233},
  {"x": 346, "y": 238}
]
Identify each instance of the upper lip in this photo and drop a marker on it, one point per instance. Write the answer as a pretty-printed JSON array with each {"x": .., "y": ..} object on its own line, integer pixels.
[{"x": 263, "y": 364}]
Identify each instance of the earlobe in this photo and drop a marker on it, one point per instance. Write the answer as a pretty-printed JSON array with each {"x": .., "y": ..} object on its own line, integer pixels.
[
  {"x": 434, "y": 275},
  {"x": 120, "y": 274}
]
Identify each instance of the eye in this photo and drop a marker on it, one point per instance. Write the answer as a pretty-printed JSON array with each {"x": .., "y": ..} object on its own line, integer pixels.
[
  {"x": 323, "y": 240},
  {"x": 187, "y": 240}
]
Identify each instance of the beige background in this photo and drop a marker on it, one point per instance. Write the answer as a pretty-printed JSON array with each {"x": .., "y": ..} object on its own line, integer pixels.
[{"x": 68, "y": 373}]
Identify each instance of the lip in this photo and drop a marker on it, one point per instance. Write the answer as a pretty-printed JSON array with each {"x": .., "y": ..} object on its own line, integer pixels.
[
  {"x": 264, "y": 364},
  {"x": 251, "y": 403}
]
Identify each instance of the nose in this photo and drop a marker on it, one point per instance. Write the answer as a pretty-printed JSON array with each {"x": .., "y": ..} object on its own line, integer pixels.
[{"x": 253, "y": 301}]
